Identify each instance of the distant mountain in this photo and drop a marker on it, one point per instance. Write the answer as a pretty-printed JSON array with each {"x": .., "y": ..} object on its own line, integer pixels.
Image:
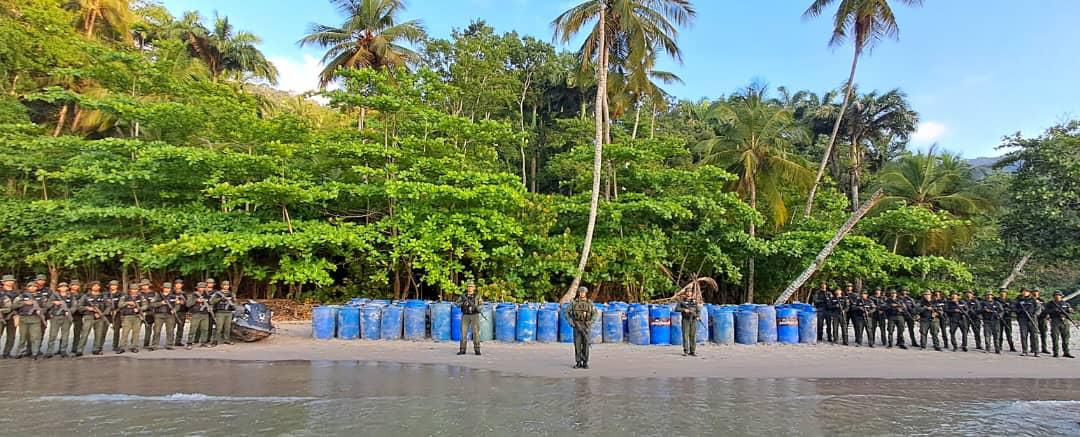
[{"x": 985, "y": 165}]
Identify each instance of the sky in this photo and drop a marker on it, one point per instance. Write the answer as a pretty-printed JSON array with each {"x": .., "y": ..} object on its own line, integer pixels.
[{"x": 974, "y": 70}]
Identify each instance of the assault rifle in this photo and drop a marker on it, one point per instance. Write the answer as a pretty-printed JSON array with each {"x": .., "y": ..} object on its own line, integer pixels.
[
  {"x": 1065, "y": 314},
  {"x": 172, "y": 310}
]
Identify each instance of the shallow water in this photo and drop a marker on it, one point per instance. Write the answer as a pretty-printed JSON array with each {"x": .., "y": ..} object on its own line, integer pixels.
[{"x": 168, "y": 397}]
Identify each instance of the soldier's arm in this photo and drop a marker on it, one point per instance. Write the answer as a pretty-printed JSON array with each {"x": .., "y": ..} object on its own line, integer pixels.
[{"x": 215, "y": 298}]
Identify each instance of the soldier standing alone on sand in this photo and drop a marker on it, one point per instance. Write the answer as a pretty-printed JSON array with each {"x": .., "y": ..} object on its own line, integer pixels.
[
  {"x": 470, "y": 305},
  {"x": 581, "y": 314},
  {"x": 688, "y": 307},
  {"x": 7, "y": 313},
  {"x": 1060, "y": 314}
]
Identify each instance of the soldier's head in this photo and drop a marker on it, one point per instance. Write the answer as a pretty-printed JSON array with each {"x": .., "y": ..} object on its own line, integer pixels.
[
  {"x": 63, "y": 288},
  {"x": 877, "y": 292},
  {"x": 32, "y": 287},
  {"x": 865, "y": 294},
  {"x": 1025, "y": 292},
  {"x": 904, "y": 291},
  {"x": 226, "y": 286},
  {"x": 582, "y": 292},
  {"x": 144, "y": 285},
  {"x": 114, "y": 286},
  {"x": 470, "y": 288},
  {"x": 849, "y": 287},
  {"x": 9, "y": 282},
  {"x": 200, "y": 287},
  {"x": 75, "y": 285},
  {"x": 892, "y": 293},
  {"x": 1003, "y": 293},
  {"x": 838, "y": 291},
  {"x": 166, "y": 288},
  {"x": 133, "y": 289},
  {"x": 210, "y": 284},
  {"x": 1059, "y": 296},
  {"x": 40, "y": 280},
  {"x": 927, "y": 295},
  {"x": 95, "y": 287},
  {"x": 824, "y": 286},
  {"x": 1037, "y": 293},
  {"x": 178, "y": 285},
  {"x": 969, "y": 294}
]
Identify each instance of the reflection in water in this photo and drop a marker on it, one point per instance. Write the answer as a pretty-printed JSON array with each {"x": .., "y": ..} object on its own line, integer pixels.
[{"x": 105, "y": 397}]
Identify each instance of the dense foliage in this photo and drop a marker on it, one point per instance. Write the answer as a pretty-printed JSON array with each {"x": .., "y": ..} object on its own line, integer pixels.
[{"x": 137, "y": 144}]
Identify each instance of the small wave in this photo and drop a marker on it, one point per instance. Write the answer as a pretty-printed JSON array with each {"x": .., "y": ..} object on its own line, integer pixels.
[{"x": 175, "y": 397}]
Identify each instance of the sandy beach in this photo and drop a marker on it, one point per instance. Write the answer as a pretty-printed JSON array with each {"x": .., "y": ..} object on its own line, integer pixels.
[{"x": 293, "y": 342}]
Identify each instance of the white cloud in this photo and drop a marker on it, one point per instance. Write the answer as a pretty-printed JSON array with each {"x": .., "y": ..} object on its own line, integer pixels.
[
  {"x": 297, "y": 76},
  {"x": 929, "y": 131}
]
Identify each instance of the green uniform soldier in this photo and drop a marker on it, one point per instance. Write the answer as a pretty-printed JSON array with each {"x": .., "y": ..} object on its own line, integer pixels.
[
  {"x": 894, "y": 311},
  {"x": 1008, "y": 310},
  {"x": 1060, "y": 314},
  {"x": 132, "y": 311},
  {"x": 210, "y": 289},
  {"x": 1041, "y": 318},
  {"x": 30, "y": 322},
  {"x": 930, "y": 312},
  {"x": 990, "y": 312},
  {"x": 95, "y": 308},
  {"x": 115, "y": 294},
  {"x": 75, "y": 289},
  {"x": 581, "y": 314},
  {"x": 199, "y": 307},
  {"x": 224, "y": 304},
  {"x": 1027, "y": 310},
  {"x": 7, "y": 314},
  {"x": 181, "y": 311},
  {"x": 691, "y": 312},
  {"x": 163, "y": 307},
  {"x": 147, "y": 293},
  {"x": 58, "y": 312},
  {"x": 470, "y": 305}
]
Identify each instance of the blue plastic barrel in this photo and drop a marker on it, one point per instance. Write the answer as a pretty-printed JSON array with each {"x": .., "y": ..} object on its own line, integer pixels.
[
  {"x": 787, "y": 325},
  {"x": 371, "y": 322},
  {"x": 676, "y": 328},
  {"x": 455, "y": 324},
  {"x": 659, "y": 325},
  {"x": 703, "y": 325},
  {"x": 392, "y": 322},
  {"x": 348, "y": 323},
  {"x": 596, "y": 330},
  {"x": 723, "y": 320},
  {"x": 808, "y": 326},
  {"x": 323, "y": 322},
  {"x": 506, "y": 322},
  {"x": 638, "y": 321},
  {"x": 766, "y": 324},
  {"x": 487, "y": 322},
  {"x": 525, "y": 327},
  {"x": 547, "y": 324},
  {"x": 613, "y": 326},
  {"x": 415, "y": 320},
  {"x": 440, "y": 321},
  {"x": 746, "y": 327},
  {"x": 747, "y": 307},
  {"x": 566, "y": 332}
]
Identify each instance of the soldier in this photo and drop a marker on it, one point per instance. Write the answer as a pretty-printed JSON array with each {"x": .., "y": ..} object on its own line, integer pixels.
[
  {"x": 859, "y": 313},
  {"x": 990, "y": 313},
  {"x": 879, "y": 317},
  {"x": 581, "y": 314},
  {"x": 1060, "y": 314},
  {"x": 30, "y": 319},
  {"x": 181, "y": 311},
  {"x": 1042, "y": 320},
  {"x": 819, "y": 297},
  {"x": 975, "y": 322},
  {"x": 41, "y": 296},
  {"x": 199, "y": 307},
  {"x": 470, "y": 305},
  {"x": 909, "y": 314},
  {"x": 1027, "y": 309},
  {"x": 958, "y": 319},
  {"x": 835, "y": 308},
  {"x": 163, "y": 307},
  {"x": 42, "y": 285},
  {"x": 690, "y": 311},
  {"x": 147, "y": 293},
  {"x": 850, "y": 296},
  {"x": 930, "y": 312},
  {"x": 58, "y": 312},
  {"x": 7, "y": 314},
  {"x": 224, "y": 304},
  {"x": 894, "y": 310},
  {"x": 210, "y": 289},
  {"x": 115, "y": 294},
  {"x": 75, "y": 288},
  {"x": 1008, "y": 310},
  {"x": 95, "y": 308},
  {"x": 943, "y": 320},
  {"x": 132, "y": 310}
]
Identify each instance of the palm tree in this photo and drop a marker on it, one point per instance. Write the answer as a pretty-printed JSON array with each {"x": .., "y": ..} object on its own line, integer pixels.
[
  {"x": 112, "y": 14},
  {"x": 865, "y": 22},
  {"x": 639, "y": 83},
  {"x": 225, "y": 50},
  {"x": 753, "y": 143},
  {"x": 370, "y": 37},
  {"x": 871, "y": 118}
]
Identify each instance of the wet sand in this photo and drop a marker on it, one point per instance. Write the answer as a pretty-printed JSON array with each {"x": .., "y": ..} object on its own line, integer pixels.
[{"x": 293, "y": 342}]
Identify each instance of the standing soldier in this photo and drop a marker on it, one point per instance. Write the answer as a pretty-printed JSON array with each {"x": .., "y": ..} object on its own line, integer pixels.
[
  {"x": 95, "y": 308},
  {"x": 930, "y": 312},
  {"x": 147, "y": 294},
  {"x": 990, "y": 313},
  {"x": 909, "y": 314},
  {"x": 819, "y": 298},
  {"x": 1027, "y": 309},
  {"x": 1060, "y": 314},
  {"x": 199, "y": 307},
  {"x": 958, "y": 319},
  {"x": 943, "y": 322},
  {"x": 211, "y": 285},
  {"x": 163, "y": 308},
  {"x": 30, "y": 322},
  {"x": 974, "y": 309},
  {"x": 835, "y": 307},
  {"x": 581, "y": 314},
  {"x": 1042, "y": 321},
  {"x": 58, "y": 312},
  {"x": 894, "y": 310},
  {"x": 860, "y": 311},
  {"x": 115, "y": 294},
  {"x": 76, "y": 316},
  {"x": 41, "y": 296},
  {"x": 132, "y": 310},
  {"x": 849, "y": 300},
  {"x": 7, "y": 313},
  {"x": 879, "y": 317},
  {"x": 688, "y": 307},
  {"x": 470, "y": 305},
  {"x": 1008, "y": 310},
  {"x": 224, "y": 304},
  {"x": 181, "y": 311}
]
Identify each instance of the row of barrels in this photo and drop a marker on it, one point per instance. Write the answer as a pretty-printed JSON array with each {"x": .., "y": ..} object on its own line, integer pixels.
[{"x": 618, "y": 322}]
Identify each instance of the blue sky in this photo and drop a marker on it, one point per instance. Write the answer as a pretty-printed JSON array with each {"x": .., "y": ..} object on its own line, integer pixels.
[{"x": 974, "y": 70}]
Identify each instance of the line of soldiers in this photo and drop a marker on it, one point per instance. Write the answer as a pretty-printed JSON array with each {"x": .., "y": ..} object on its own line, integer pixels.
[
  {"x": 68, "y": 316},
  {"x": 990, "y": 319}
]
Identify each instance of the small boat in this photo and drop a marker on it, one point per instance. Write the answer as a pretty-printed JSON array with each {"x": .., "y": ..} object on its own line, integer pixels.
[{"x": 252, "y": 322}]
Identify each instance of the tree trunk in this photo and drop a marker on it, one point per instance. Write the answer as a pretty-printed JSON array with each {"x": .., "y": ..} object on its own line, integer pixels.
[
  {"x": 855, "y": 167},
  {"x": 598, "y": 155},
  {"x": 524, "y": 161},
  {"x": 90, "y": 24},
  {"x": 753, "y": 234},
  {"x": 78, "y": 117},
  {"x": 1016, "y": 271},
  {"x": 360, "y": 121},
  {"x": 637, "y": 121},
  {"x": 832, "y": 138},
  {"x": 60, "y": 120},
  {"x": 825, "y": 252},
  {"x": 652, "y": 126}
]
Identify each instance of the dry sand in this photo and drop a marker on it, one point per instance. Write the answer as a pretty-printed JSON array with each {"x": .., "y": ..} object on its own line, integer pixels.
[{"x": 293, "y": 342}]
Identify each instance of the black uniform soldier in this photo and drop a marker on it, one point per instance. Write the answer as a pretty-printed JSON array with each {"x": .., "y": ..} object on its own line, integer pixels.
[
  {"x": 959, "y": 318},
  {"x": 879, "y": 317},
  {"x": 115, "y": 294},
  {"x": 894, "y": 310},
  {"x": 850, "y": 296},
  {"x": 943, "y": 320},
  {"x": 1008, "y": 310},
  {"x": 95, "y": 308},
  {"x": 200, "y": 309},
  {"x": 470, "y": 305},
  {"x": 132, "y": 310},
  {"x": 581, "y": 314},
  {"x": 1044, "y": 326},
  {"x": 929, "y": 314},
  {"x": 1027, "y": 309},
  {"x": 224, "y": 304},
  {"x": 819, "y": 297},
  {"x": 1060, "y": 314},
  {"x": 909, "y": 314},
  {"x": 974, "y": 310},
  {"x": 835, "y": 308},
  {"x": 75, "y": 288},
  {"x": 147, "y": 293},
  {"x": 7, "y": 314},
  {"x": 163, "y": 308},
  {"x": 860, "y": 312},
  {"x": 58, "y": 312},
  {"x": 688, "y": 307},
  {"x": 990, "y": 314},
  {"x": 30, "y": 319}
]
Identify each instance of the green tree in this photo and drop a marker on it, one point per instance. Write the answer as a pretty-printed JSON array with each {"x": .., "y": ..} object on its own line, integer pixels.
[
  {"x": 875, "y": 120},
  {"x": 225, "y": 50},
  {"x": 113, "y": 15}
]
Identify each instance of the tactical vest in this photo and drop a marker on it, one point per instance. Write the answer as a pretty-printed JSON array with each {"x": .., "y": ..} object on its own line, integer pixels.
[
  {"x": 1026, "y": 309},
  {"x": 126, "y": 310},
  {"x": 200, "y": 308},
  {"x": 62, "y": 310},
  {"x": 1058, "y": 310},
  {"x": 173, "y": 301},
  {"x": 225, "y": 304},
  {"x": 101, "y": 302},
  {"x": 27, "y": 308},
  {"x": 581, "y": 311}
]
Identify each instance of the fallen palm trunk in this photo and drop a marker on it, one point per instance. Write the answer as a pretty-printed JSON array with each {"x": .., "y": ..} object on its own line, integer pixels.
[{"x": 1017, "y": 269}]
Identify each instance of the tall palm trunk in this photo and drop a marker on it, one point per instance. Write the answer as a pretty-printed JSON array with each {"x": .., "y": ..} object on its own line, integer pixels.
[
  {"x": 60, "y": 120},
  {"x": 652, "y": 126},
  {"x": 856, "y": 165},
  {"x": 753, "y": 234},
  {"x": 832, "y": 138},
  {"x": 637, "y": 121},
  {"x": 90, "y": 24},
  {"x": 598, "y": 153}
]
